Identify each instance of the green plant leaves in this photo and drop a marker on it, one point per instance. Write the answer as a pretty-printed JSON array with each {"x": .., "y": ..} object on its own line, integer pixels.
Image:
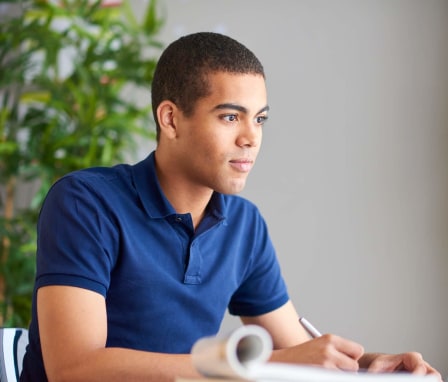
[{"x": 65, "y": 68}]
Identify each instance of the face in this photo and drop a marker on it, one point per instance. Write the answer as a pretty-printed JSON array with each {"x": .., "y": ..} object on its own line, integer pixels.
[{"x": 216, "y": 146}]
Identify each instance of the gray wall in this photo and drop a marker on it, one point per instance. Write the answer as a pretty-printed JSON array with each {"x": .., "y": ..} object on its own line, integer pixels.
[{"x": 352, "y": 177}]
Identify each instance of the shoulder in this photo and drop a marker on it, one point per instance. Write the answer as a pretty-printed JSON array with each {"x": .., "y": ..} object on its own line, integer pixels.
[
  {"x": 238, "y": 199},
  {"x": 99, "y": 175},
  {"x": 92, "y": 188},
  {"x": 235, "y": 204},
  {"x": 96, "y": 179},
  {"x": 243, "y": 213}
]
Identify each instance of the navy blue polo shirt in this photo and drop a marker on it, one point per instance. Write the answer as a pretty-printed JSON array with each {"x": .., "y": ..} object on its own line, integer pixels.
[{"x": 112, "y": 231}]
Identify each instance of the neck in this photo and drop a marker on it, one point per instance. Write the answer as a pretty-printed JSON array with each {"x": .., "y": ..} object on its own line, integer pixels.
[{"x": 184, "y": 197}]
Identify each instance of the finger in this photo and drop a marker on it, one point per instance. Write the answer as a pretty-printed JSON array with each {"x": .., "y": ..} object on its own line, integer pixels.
[
  {"x": 418, "y": 369},
  {"x": 346, "y": 363},
  {"x": 341, "y": 353},
  {"x": 414, "y": 363},
  {"x": 349, "y": 348},
  {"x": 385, "y": 364},
  {"x": 432, "y": 371}
]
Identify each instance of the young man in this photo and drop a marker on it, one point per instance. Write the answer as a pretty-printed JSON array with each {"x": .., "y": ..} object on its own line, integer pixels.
[{"x": 135, "y": 263}]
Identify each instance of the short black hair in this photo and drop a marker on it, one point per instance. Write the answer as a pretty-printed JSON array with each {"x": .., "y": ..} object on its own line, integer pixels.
[{"x": 182, "y": 70}]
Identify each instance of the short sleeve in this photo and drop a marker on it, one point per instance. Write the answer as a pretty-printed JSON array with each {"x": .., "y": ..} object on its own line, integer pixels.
[{"x": 76, "y": 236}]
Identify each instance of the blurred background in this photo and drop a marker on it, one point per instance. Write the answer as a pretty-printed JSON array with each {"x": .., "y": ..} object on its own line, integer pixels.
[{"x": 352, "y": 177}]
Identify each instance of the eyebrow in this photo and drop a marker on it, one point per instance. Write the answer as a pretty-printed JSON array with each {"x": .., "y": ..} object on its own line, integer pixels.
[{"x": 240, "y": 108}]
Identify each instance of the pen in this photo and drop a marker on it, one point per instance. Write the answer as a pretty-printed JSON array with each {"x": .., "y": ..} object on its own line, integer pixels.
[{"x": 312, "y": 331}]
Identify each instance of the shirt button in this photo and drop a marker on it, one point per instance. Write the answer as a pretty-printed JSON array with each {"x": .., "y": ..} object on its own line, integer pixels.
[{"x": 178, "y": 219}]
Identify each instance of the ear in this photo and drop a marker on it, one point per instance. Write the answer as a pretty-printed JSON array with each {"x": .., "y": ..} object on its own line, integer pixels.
[{"x": 166, "y": 115}]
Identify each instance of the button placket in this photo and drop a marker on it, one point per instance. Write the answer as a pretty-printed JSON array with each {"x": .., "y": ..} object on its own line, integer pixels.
[{"x": 193, "y": 271}]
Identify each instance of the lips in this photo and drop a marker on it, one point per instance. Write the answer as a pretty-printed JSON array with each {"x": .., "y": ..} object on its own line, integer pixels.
[{"x": 242, "y": 165}]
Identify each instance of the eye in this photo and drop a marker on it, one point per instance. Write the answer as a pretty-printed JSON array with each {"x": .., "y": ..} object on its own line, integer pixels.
[
  {"x": 261, "y": 119},
  {"x": 230, "y": 117}
]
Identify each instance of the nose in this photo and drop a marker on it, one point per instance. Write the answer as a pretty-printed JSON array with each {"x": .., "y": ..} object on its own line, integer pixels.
[{"x": 249, "y": 135}]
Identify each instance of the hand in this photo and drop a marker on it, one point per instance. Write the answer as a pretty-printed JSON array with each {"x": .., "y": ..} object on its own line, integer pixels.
[
  {"x": 329, "y": 351},
  {"x": 411, "y": 361}
]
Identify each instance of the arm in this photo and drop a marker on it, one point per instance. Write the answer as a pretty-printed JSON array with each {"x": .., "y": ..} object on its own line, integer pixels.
[
  {"x": 292, "y": 344},
  {"x": 73, "y": 331}
]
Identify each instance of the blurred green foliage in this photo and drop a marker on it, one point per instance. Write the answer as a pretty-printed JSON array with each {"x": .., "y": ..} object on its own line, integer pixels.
[{"x": 66, "y": 68}]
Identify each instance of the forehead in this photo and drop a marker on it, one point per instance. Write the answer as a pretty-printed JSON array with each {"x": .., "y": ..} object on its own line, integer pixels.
[{"x": 248, "y": 90}]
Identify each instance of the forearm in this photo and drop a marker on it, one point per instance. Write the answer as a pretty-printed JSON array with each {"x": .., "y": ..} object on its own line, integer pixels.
[{"x": 118, "y": 364}]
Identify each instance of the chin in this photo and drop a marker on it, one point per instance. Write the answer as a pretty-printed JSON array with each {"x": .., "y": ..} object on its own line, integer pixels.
[{"x": 232, "y": 189}]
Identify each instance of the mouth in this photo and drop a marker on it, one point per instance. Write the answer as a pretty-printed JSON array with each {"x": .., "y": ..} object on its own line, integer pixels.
[{"x": 242, "y": 165}]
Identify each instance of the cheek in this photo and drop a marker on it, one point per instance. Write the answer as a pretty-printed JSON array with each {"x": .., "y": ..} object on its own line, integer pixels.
[
  {"x": 212, "y": 152},
  {"x": 211, "y": 145},
  {"x": 260, "y": 140}
]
